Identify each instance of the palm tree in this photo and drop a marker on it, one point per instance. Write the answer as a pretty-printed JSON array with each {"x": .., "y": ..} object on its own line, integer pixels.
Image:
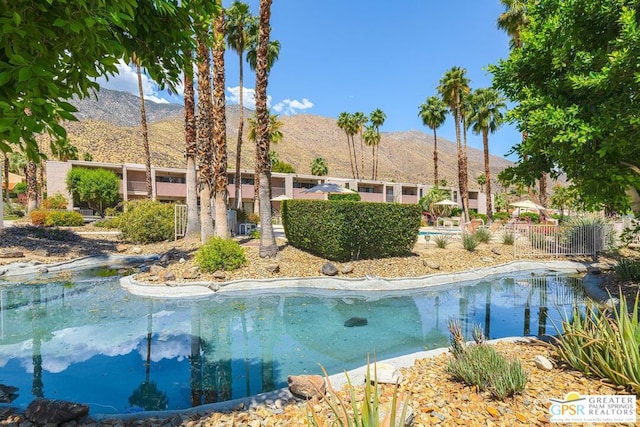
[
  {"x": 64, "y": 150},
  {"x": 433, "y": 114},
  {"x": 377, "y": 118},
  {"x": 452, "y": 87},
  {"x": 6, "y": 176},
  {"x": 513, "y": 20},
  {"x": 190, "y": 150},
  {"x": 204, "y": 137},
  {"x": 145, "y": 130},
  {"x": 485, "y": 107},
  {"x": 275, "y": 136},
  {"x": 220, "y": 188},
  {"x": 268, "y": 246},
  {"x": 371, "y": 139},
  {"x": 359, "y": 120},
  {"x": 319, "y": 167},
  {"x": 31, "y": 173},
  {"x": 238, "y": 22},
  {"x": 345, "y": 123}
]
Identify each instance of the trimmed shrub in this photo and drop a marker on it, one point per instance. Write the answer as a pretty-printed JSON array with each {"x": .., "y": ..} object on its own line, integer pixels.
[
  {"x": 148, "y": 221},
  {"x": 501, "y": 215},
  {"x": 343, "y": 230},
  {"x": 352, "y": 197},
  {"x": 57, "y": 201},
  {"x": 63, "y": 219},
  {"x": 530, "y": 216},
  {"x": 37, "y": 216},
  {"x": 220, "y": 254}
]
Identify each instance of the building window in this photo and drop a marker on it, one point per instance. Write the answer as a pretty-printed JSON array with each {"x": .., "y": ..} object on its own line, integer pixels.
[
  {"x": 298, "y": 184},
  {"x": 171, "y": 179}
]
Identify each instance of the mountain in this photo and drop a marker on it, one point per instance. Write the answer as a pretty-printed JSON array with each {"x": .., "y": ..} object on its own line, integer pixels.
[{"x": 108, "y": 128}]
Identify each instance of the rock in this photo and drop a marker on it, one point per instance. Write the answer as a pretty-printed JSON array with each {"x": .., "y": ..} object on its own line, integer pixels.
[
  {"x": 191, "y": 273},
  {"x": 543, "y": 363},
  {"x": 166, "y": 276},
  {"x": 432, "y": 265},
  {"x": 47, "y": 411},
  {"x": 356, "y": 321},
  {"x": 156, "y": 269},
  {"x": 214, "y": 287},
  {"x": 219, "y": 275},
  {"x": 182, "y": 260},
  {"x": 328, "y": 269},
  {"x": 121, "y": 248},
  {"x": 347, "y": 269},
  {"x": 486, "y": 259},
  {"x": 385, "y": 373},
  {"x": 136, "y": 250},
  {"x": 603, "y": 266},
  {"x": 593, "y": 270},
  {"x": 165, "y": 257},
  {"x": 8, "y": 253},
  {"x": 496, "y": 251},
  {"x": 306, "y": 386},
  {"x": 273, "y": 268}
]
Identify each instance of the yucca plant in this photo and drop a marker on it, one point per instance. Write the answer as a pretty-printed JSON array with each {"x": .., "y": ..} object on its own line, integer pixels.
[
  {"x": 469, "y": 242},
  {"x": 482, "y": 235},
  {"x": 604, "y": 342},
  {"x": 442, "y": 240},
  {"x": 508, "y": 238},
  {"x": 364, "y": 414}
]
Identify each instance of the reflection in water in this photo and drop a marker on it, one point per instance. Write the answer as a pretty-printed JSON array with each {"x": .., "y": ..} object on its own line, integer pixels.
[{"x": 198, "y": 351}]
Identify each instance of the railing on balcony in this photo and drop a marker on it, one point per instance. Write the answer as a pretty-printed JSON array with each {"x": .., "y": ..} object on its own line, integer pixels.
[{"x": 136, "y": 187}]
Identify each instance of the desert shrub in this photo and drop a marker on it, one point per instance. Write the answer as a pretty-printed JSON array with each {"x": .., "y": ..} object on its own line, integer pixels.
[
  {"x": 14, "y": 209},
  {"x": 469, "y": 242},
  {"x": 255, "y": 234},
  {"x": 147, "y": 221},
  {"x": 480, "y": 365},
  {"x": 442, "y": 240},
  {"x": 482, "y": 235},
  {"x": 589, "y": 234},
  {"x": 501, "y": 215},
  {"x": 112, "y": 211},
  {"x": 627, "y": 270},
  {"x": 603, "y": 342},
  {"x": 109, "y": 223},
  {"x": 220, "y": 254},
  {"x": 63, "y": 219},
  {"x": 483, "y": 217},
  {"x": 508, "y": 238},
  {"x": 530, "y": 217},
  {"x": 37, "y": 216},
  {"x": 57, "y": 201}
]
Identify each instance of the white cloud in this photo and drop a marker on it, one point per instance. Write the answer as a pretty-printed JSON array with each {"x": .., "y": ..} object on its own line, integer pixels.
[
  {"x": 127, "y": 81},
  {"x": 248, "y": 97},
  {"x": 290, "y": 107}
]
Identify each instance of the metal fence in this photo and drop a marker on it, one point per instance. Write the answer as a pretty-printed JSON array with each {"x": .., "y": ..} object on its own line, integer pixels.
[
  {"x": 180, "y": 217},
  {"x": 556, "y": 241}
]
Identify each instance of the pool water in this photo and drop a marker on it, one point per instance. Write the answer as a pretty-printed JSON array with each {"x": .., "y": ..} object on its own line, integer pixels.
[{"x": 89, "y": 341}]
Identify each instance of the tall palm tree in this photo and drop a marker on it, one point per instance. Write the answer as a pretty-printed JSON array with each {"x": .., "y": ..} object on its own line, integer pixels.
[
  {"x": 275, "y": 136},
  {"x": 6, "y": 176},
  {"x": 452, "y": 87},
  {"x": 268, "y": 246},
  {"x": 345, "y": 123},
  {"x": 239, "y": 21},
  {"x": 485, "y": 108},
  {"x": 360, "y": 119},
  {"x": 433, "y": 114},
  {"x": 31, "y": 173},
  {"x": 377, "y": 118},
  {"x": 190, "y": 150},
  {"x": 145, "y": 129},
  {"x": 204, "y": 136},
  {"x": 371, "y": 139},
  {"x": 220, "y": 188},
  {"x": 513, "y": 20}
]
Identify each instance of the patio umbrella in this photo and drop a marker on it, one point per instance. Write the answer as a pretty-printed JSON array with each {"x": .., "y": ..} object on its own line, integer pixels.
[
  {"x": 446, "y": 202},
  {"x": 328, "y": 187},
  {"x": 281, "y": 198},
  {"x": 527, "y": 204}
]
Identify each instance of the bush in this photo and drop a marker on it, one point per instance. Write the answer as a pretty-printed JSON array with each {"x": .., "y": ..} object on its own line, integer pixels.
[
  {"x": 220, "y": 254},
  {"x": 469, "y": 242},
  {"x": 482, "y": 366},
  {"x": 63, "y": 219},
  {"x": 483, "y": 217},
  {"x": 504, "y": 216},
  {"x": 148, "y": 221},
  {"x": 482, "y": 235},
  {"x": 20, "y": 188},
  {"x": 442, "y": 240},
  {"x": 14, "y": 209},
  {"x": 109, "y": 223},
  {"x": 353, "y": 197},
  {"x": 603, "y": 342},
  {"x": 343, "y": 230},
  {"x": 508, "y": 238},
  {"x": 37, "y": 216},
  {"x": 57, "y": 201},
  {"x": 98, "y": 188},
  {"x": 253, "y": 218},
  {"x": 530, "y": 216},
  {"x": 627, "y": 270}
]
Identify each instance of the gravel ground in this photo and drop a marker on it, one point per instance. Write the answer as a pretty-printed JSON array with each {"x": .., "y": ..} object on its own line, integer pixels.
[{"x": 434, "y": 396}]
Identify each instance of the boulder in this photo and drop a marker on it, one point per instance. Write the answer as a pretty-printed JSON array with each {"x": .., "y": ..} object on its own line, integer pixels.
[
  {"x": 166, "y": 276},
  {"x": 328, "y": 269},
  {"x": 191, "y": 273},
  {"x": 385, "y": 373},
  {"x": 219, "y": 275},
  {"x": 273, "y": 268},
  {"x": 307, "y": 386},
  {"x": 156, "y": 269},
  {"x": 356, "y": 321},
  {"x": 431, "y": 264},
  {"x": 543, "y": 363},
  {"x": 47, "y": 411},
  {"x": 347, "y": 269},
  {"x": 496, "y": 251}
]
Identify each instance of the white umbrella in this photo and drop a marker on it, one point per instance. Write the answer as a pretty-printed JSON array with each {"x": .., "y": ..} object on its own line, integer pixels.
[
  {"x": 281, "y": 198},
  {"x": 328, "y": 187},
  {"x": 527, "y": 204},
  {"x": 446, "y": 202}
]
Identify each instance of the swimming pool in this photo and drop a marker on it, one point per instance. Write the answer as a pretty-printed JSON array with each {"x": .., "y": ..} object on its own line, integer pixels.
[{"x": 88, "y": 340}]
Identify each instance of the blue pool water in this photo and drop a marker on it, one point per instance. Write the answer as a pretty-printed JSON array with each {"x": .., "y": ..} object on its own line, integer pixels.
[{"x": 88, "y": 340}]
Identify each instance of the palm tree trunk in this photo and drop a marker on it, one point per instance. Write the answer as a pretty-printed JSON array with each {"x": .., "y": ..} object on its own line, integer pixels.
[
  {"x": 32, "y": 186},
  {"x": 464, "y": 175},
  {"x": 361, "y": 155},
  {"x": 221, "y": 193},
  {"x": 6, "y": 177},
  {"x": 204, "y": 141},
  {"x": 145, "y": 132},
  {"x": 238, "y": 198},
  {"x": 373, "y": 161},
  {"x": 355, "y": 156},
  {"x": 487, "y": 172},
  {"x": 461, "y": 166},
  {"x": 435, "y": 158},
  {"x": 353, "y": 170},
  {"x": 268, "y": 246},
  {"x": 193, "y": 218}
]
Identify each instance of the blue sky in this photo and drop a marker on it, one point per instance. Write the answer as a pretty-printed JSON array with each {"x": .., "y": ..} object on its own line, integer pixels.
[{"x": 358, "y": 55}]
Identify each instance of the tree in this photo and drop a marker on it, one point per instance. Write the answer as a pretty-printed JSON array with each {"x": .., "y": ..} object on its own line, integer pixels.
[
  {"x": 485, "y": 116},
  {"x": 433, "y": 113},
  {"x": 275, "y": 136},
  {"x": 452, "y": 87},
  {"x": 575, "y": 90},
  {"x": 346, "y": 123},
  {"x": 377, "y": 118},
  {"x": 190, "y": 152},
  {"x": 220, "y": 187},
  {"x": 371, "y": 139},
  {"x": 319, "y": 167},
  {"x": 268, "y": 246},
  {"x": 359, "y": 120},
  {"x": 98, "y": 188},
  {"x": 239, "y": 21},
  {"x": 64, "y": 151}
]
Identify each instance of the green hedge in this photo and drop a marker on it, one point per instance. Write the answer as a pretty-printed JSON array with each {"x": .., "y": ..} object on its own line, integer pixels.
[
  {"x": 147, "y": 221},
  {"x": 345, "y": 230}
]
